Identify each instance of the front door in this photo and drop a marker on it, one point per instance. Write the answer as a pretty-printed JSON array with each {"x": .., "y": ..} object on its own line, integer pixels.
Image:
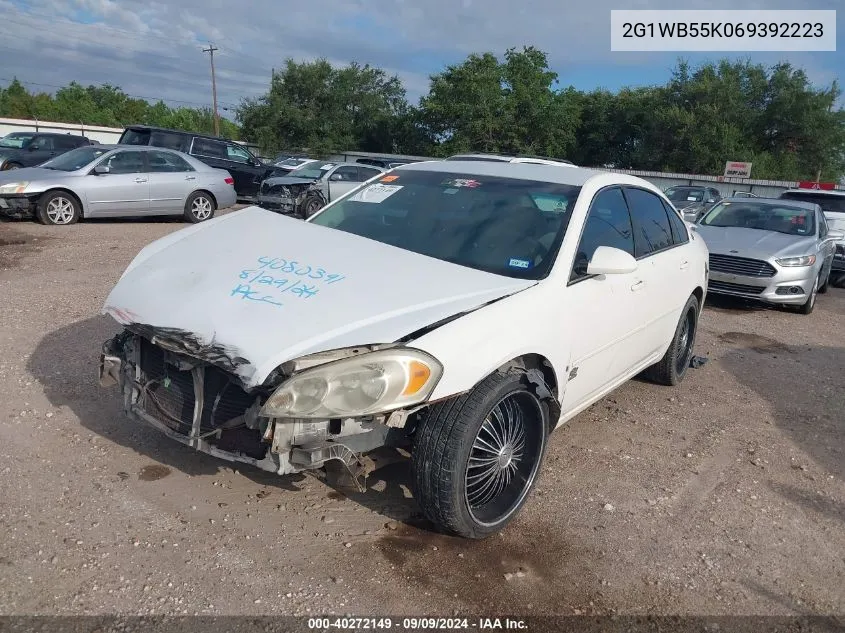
[
  {"x": 123, "y": 190},
  {"x": 602, "y": 310}
]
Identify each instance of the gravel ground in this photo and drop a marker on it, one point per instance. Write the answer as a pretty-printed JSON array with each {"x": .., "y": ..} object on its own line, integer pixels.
[{"x": 723, "y": 496}]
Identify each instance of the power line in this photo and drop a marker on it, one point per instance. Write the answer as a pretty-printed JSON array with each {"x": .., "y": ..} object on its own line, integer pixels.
[{"x": 196, "y": 103}]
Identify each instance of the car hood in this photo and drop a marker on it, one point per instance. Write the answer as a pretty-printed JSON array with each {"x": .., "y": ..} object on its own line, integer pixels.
[
  {"x": 226, "y": 286},
  {"x": 753, "y": 243},
  {"x": 289, "y": 180},
  {"x": 8, "y": 152},
  {"x": 31, "y": 174}
]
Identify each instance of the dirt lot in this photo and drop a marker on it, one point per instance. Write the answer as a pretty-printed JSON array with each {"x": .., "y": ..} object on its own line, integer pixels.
[{"x": 723, "y": 496}]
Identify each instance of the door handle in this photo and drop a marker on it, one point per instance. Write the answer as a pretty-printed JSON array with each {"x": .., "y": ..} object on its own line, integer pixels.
[
  {"x": 638, "y": 286},
  {"x": 190, "y": 177},
  {"x": 684, "y": 265},
  {"x": 140, "y": 180}
]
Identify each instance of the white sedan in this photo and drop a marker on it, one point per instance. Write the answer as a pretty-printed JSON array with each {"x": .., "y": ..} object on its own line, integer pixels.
[{"x": 461, "y": 310}]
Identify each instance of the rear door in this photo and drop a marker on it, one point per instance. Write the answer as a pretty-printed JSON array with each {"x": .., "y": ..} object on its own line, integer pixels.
[
  {"x": 172, "y": 179},
  {"x": 603, "y": 310},
  {"x": 124, "y": 190}
]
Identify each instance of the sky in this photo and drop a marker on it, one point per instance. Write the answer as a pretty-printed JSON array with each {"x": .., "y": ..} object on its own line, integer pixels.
[{"x": 153, "y": 48}]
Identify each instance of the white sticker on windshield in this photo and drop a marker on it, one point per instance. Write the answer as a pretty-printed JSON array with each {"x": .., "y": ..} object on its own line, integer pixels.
[
  {"x": 691, "y": 198},
  {"x": 375, "y": 193}
]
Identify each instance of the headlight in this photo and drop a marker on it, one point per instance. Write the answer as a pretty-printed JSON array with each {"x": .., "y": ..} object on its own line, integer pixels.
[
  {"x": 804, "y": 260},
  {"x": 375, "y": 382},
  {"x": 14, "y": 187}
]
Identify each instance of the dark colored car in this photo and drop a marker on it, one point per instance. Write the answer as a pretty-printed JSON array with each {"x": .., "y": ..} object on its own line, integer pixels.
[
  {"x": 693, "y": 201},
  {"x": 247, "y": 170},
  {"x": 385, "y": 163},
  {"x": 28, "y": 149}
]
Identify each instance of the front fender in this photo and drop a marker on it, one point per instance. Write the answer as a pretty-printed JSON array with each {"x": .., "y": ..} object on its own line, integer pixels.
[{"x": 476, "y": 344}]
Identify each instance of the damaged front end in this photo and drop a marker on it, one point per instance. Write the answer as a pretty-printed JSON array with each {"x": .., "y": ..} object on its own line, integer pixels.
[
  {"x": 193, "y": 394},
  {"x": 296, "y": 199}
]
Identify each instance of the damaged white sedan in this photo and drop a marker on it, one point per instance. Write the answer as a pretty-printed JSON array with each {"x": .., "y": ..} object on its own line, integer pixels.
[{"x": 459, "y": 310}]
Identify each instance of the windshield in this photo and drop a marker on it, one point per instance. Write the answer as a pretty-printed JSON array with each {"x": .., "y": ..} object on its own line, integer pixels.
[
  {"x": 75, "y": 159},
  {"x": 312, "y": 171},
  {"x": 828, "y": 202},
  {"x": 499, "y": 225},
  {"x": 763, "y": 217},
  {"x": 685, "y": 194},
  {"x": 15, "y": 140},
  {"x": 293, "y": 162}
]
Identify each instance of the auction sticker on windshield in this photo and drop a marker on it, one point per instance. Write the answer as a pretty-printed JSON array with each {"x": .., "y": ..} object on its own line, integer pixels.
[{"x": 375, "y": 193}]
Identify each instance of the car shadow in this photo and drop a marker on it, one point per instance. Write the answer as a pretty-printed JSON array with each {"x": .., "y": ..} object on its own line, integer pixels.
[
  {"x": 803, "y": 386},
  {"x": 735, "y": 305},
  {"x": 65, "y": 363}
]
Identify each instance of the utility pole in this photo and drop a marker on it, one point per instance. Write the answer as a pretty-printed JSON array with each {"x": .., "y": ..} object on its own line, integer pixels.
[{"x": 211, "y": 48}]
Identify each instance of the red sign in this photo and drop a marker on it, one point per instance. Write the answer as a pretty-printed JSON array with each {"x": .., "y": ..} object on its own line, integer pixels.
[{"x": 826, "y": 186}]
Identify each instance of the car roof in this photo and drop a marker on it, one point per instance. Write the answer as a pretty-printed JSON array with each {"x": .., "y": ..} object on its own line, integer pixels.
[
  {"x": 815, "y": 192},
  {"x": 800, "y": 204},
  {"x": 153, "y": 128},
  {"x": 508, "y": 158},
  {"x": 575, "y": 176}
]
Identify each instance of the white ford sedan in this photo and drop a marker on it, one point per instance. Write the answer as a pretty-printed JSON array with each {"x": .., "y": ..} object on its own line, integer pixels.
[{"x": 461, "y": 310}]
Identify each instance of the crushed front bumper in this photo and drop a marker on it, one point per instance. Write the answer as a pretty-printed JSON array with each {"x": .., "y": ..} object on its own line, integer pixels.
[
  {"x": 280, "y": 204},
  {"x": 203, "y": 406},
  {"x": 17, "y": 206}
]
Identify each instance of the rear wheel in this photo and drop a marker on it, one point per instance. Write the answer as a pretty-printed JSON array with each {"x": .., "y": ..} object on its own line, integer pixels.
[
  {"x": 12, "y": 166},
  {"x": 476, "y": 457},
  {"x": 57, "y": 207},
  {"x": 199, "y": 207},
  {"x": 670, "y": 370}
]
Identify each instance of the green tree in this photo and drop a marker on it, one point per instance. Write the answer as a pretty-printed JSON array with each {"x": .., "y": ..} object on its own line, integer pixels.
[{"x": 315, "y": 106}]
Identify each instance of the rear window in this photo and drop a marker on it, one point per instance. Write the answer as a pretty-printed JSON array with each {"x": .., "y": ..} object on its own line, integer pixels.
[
  {"x": 828, "y": 202},
  {"x": 504, "y": 226}
]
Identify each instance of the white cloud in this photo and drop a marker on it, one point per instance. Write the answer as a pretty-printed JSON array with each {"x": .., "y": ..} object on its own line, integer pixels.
[{"x": 153, "y": 48}]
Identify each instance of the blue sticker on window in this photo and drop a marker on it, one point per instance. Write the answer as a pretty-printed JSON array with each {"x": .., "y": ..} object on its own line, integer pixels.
[{"x": 519, "y": 263}]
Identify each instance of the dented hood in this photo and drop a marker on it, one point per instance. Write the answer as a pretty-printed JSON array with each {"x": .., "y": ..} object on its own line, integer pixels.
[{"x": 268, "y": 289}]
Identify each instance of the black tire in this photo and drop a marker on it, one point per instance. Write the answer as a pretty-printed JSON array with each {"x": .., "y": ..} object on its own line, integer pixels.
[
  {"x": 807, "y": 306},
  {"x": 58, "y": 208},
  {"x": 199, "y": 207},
  {"x": 447, "y": 437},
  {"x": 837, "y": 279},
  {"x": 12, "y": 166},
  {"x": 672, "y": 368},
  {"x": 311, "y": 205},
  {"x": 823, "y": 287}
]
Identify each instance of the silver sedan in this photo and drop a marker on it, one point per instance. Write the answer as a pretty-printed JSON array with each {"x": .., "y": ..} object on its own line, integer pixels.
[
  {"x": 101, "y": 181},
  {"x": 776, "y": 251}
]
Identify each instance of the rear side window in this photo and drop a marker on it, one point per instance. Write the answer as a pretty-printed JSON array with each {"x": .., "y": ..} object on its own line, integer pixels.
[
  {"x": 169, "y": 140},
  {"x": 209, "y": 148},
  {"x": 163, "y": 162},
  {"x": 67, "y": 143},
  {"x": 652, "y": 231},
  {"x": 608, "y": 224},
  {"x": 366, "y": 173},
  {"x": 680, "y": 235},
  {"x": 135, "y": 137}
]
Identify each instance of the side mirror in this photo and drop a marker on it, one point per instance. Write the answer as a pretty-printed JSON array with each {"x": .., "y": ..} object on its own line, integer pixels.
[
  {"x": 336, "y": 177},
  {"x": 101, "y": 170},
  {"x": 836, "y": 235},
  {"x": 611, "y": 261}
]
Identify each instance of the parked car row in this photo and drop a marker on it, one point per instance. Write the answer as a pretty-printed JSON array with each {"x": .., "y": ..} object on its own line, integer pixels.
[{"x": 27, "y": 149}]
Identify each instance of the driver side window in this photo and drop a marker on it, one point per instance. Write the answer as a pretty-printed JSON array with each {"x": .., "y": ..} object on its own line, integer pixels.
[{"x": 608, "y": 223}]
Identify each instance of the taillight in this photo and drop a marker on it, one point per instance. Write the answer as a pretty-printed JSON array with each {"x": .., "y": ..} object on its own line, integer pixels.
[{"x": 229, "y": 180}]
